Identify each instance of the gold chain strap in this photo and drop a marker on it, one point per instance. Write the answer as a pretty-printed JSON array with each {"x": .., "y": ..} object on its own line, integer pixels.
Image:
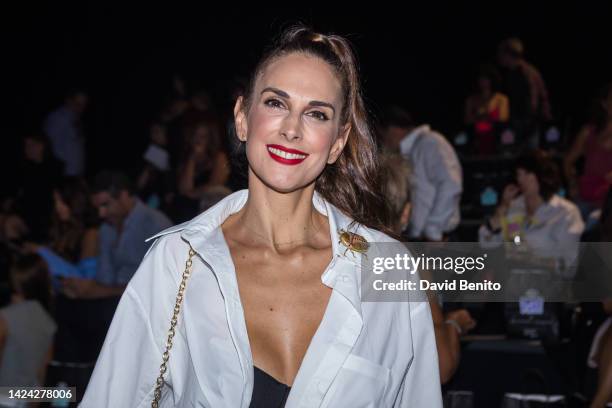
[{"x": 177, "y": 310}]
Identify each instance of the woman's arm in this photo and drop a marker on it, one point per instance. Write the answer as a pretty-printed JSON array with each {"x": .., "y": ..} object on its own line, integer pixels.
[
  {"x": 447, "y": 342},
  {"x": 90, "y": 246},
  {"x": 129, "y": 362},
  {"x": 504, "y": 108},
  {"x": 575, "y": 152}
]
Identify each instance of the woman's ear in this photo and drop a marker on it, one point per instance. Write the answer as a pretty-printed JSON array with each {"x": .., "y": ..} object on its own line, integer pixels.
[
  {"x": 240, "y": 119},
  {"x": 339, "y": 143}
]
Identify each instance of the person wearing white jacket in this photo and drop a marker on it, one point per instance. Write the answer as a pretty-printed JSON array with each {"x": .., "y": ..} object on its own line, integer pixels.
[
  {"x": 437, "y": 178},
  {"x": 268, "y": 311}
]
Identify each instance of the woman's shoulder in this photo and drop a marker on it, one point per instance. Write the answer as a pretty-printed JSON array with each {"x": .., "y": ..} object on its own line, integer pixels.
[
  {"x": 501, "y": 98},
  {"x": 563, "y": 205},
  {"x": 28, "y": 311}
]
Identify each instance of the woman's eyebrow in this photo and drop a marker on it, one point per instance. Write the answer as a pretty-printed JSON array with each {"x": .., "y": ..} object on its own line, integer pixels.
[{"x": 285, "y": 95}]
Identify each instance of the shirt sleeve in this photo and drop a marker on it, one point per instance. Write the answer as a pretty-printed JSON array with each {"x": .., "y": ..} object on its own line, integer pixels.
[
  {"x": 57, "y": 129},
  {"x": 105, "y": 273},
  {"x": 129, "y": 362},
  {"x": 567, "y": 234},
  {"x": 421, "y": 386}
]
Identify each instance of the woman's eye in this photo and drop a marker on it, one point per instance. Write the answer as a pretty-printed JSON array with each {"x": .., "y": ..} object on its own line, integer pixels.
[
  {"x": 273, "y": 103},
  {"x": 319, "y": 115}
]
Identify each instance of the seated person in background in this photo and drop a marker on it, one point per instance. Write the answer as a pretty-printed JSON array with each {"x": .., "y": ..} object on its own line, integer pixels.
[
  {"x": 26, "y": 325},
  {"x": 485, "y": 108},
  {"x": 73, "y": 250},
  {"x": 533, "y": 214},
  {"x": 155, "y": 184},
  {"x": 594, "y": 143},
  {"x": 73, "y": 253},
  {"x": 395, "y": 177},
  {"x": 438, "y": 180},
  {"x": 33, "y": 182},
  {"x": 127, "y": 223},
  {"x": 204, "y": 167}
]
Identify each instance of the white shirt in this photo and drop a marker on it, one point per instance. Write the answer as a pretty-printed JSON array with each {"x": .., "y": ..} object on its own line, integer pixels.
[
  {"x": 436, "y": 183},
  {"x": 553, "y": 231},
  {"x": 363, "y": 354}
]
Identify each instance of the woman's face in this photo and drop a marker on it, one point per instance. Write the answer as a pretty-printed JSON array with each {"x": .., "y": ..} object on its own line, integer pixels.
[
  {"x": 62, "y": 210},
  {"x": 527, "y": 182},
  {"x": 292, "y": 129}
]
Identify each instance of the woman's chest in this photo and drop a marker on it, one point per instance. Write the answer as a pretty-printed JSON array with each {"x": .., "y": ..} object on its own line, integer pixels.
[{"x": 284, "y": 302}]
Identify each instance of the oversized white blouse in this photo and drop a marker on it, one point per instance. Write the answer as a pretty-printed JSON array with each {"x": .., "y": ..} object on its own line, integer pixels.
[{"x": 363, "y": 354}]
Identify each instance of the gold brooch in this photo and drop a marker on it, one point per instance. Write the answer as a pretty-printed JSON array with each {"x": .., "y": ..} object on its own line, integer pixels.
[{"x": 354, "y": 242}]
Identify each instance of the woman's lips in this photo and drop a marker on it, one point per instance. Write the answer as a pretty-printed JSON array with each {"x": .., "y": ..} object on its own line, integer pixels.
[{"x": 285, "y": 155}]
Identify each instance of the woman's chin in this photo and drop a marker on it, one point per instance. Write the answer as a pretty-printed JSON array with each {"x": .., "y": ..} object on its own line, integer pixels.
[{"x": 284, "y": 185}]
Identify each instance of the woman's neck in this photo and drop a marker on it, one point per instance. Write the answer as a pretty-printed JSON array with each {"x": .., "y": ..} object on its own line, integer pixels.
[{"x": 279, "y": 220}]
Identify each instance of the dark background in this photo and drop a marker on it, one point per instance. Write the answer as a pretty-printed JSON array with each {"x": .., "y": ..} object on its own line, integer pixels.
[{"x": 424, "y": 57}]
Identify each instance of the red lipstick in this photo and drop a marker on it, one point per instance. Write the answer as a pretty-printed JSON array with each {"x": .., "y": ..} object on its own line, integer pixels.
[{"x": 286, "y": 155}]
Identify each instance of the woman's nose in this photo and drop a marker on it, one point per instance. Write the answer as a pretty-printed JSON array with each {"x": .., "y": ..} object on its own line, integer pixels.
[{"x": 291, "y": 126}]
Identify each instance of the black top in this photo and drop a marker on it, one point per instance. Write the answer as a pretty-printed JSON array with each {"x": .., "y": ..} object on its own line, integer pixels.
[{"x": 267, "y": 392}]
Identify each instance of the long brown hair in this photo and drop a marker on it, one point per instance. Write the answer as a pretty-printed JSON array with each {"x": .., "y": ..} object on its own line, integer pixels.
[
  {"x": 67, "y": 236},
  {"x": 351, "y": 183}
]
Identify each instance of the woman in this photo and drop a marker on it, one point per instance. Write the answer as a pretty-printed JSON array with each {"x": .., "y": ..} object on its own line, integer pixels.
[
  {"x": 594, "y": 143},
  {"x": 73, "y": 253},
  {"x": 485, "y": 109},
  {"x": 533, "y": 214},
  {"x": 26, "y": 326},
  {"x": 267, "y": 319},
  {"x": 204, "y": 167},
  {"x": 73, "y": 250}
]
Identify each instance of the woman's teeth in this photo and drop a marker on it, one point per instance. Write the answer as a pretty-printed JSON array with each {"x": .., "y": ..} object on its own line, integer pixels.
[{"x": 285, "y": 155}]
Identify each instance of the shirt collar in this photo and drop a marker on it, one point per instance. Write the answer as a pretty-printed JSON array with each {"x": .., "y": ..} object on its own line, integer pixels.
[
  {"x": 204, "y": 235},
  {"x": 408, "y": 141}
]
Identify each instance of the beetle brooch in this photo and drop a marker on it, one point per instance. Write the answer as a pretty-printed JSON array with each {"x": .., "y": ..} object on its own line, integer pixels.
[{"x": 354, "y": 242}]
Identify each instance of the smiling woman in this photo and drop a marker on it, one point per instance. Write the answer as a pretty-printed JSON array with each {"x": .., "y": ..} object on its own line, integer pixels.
[{"x": 272, "y": 314}]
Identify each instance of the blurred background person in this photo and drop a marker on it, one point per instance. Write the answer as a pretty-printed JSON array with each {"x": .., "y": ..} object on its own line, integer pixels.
[
  {"x": 127, "y": 223},
  {"x": 485, "y": 109},
  {"x": 73, "y": 252},
  {"x": 32, "y": 186},
  {"x": 155, "y": 183},
  {"x": 525, "y": 87},
  {"x": 395, "y": 177},
  {"x": 437, "y": 180},
  {"x": 26, "y": 325},
  {"x": 204, "y": 167},
  {"x": 594, "y": 144},
  {"x": 533, "y": 214},
  {"x": 64, "y": 129}
]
